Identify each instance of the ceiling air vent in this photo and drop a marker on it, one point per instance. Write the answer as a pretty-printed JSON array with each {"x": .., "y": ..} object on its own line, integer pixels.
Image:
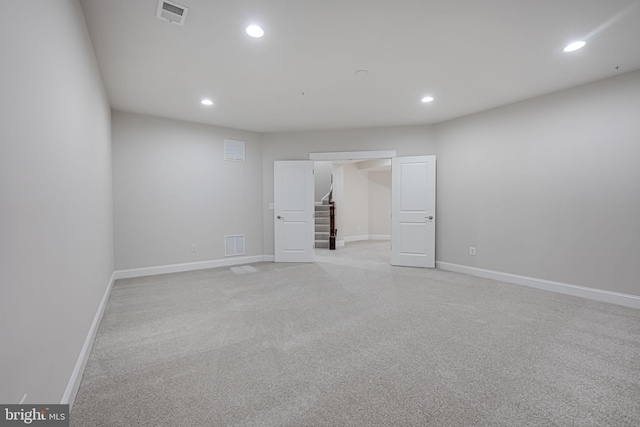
[{"x": 172, "y": 12}]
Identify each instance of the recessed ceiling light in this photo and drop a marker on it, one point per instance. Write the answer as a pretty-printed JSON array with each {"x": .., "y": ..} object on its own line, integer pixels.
[
  {"x": 255, "y": 31},
  {"x": 574, "y": 46},
  {"x": 427, "y": 99},
  {"x": 206, "y": 102}
]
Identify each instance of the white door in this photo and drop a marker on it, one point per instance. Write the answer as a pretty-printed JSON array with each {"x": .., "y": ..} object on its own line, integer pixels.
[
  {"x": 413, "y": 211},
  {"x": 293, "y": 204}
]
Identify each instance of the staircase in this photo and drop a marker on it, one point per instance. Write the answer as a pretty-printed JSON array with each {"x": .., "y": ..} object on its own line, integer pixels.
[
  {"x": 323, "y": 224},
  {"x": 325, "y": 221}
]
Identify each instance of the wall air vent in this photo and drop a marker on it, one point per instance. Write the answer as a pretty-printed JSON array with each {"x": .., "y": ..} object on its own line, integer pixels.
[
  {"x": 234, "y": 150},
  {"x": 171, "y": 12},
  {"x": 234, "y": 245}
]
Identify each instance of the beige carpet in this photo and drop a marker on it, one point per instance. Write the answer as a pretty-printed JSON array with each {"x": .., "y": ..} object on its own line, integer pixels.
[{"x": 352, "y": 341}]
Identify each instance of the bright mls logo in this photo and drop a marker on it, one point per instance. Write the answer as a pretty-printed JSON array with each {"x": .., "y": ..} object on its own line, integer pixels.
[{"x": 34, "y": 415}]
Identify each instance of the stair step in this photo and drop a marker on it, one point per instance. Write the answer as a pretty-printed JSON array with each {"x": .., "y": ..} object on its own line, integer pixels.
[
  {"x": 322, "y": 244},
  {"x": 322, "y": 220},
  {"x": 322, "y": 214},
  {"x": 323, "y": 227},
  {"x": 322, "y": 236}
]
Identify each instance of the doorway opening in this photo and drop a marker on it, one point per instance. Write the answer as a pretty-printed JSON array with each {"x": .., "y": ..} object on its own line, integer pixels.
[
  {"x": 361, "y": 194},
  {"x": 361, "y": 185}
]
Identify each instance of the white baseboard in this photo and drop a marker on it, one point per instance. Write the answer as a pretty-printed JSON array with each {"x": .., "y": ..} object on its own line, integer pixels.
[
  {"x": 269, "y": 258},
  {"x": 626, "y": 300},
  {"x": 339, "y": 243},
  {"x": 178, "y": 268},
  {"x": 380, "y": 237},
  {"x": 76, "y": 376}
]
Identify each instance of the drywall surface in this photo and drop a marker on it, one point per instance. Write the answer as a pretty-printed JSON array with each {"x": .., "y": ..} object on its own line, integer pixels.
[
  {"x": 338, "y": 197},
  {"x": 173, "y": 189},
  {"x": 322, "y": 176},
  {"x": 548, "y": 188},
  {"x": 364, "y": 198},
  {"x": 56, "y": 227},
  {"x": 406, "y": 140},
  {"x": 379, "y": 203},
  {"x": 355, "y": 208}
]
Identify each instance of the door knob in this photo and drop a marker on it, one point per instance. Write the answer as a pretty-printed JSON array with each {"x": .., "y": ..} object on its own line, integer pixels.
[
  {"x": 279, "y": 217},
  {"x": 428, "y": 217}
]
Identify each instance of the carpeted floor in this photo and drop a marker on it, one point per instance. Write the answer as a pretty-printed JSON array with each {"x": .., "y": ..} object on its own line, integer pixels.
[{"x": 352, "y": 341}]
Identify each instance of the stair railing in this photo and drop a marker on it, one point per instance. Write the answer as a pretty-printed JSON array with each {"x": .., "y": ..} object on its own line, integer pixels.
[
  {"x": 333, "y": 231},
  {"x": 332, "y": 226},
  {"x": 329, "y": 196}
]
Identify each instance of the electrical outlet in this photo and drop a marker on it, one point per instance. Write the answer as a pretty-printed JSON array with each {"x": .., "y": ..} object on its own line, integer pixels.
[
  {"x": 472, "y": 250},
  {"x": 194, "y": 248}
]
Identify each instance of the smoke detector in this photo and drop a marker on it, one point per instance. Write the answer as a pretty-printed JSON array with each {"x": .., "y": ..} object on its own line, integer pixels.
[{"x": 172, "y": 12}]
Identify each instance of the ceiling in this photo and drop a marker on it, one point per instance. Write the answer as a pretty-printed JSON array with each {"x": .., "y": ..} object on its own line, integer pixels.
[{"x": 470, "y": 55}]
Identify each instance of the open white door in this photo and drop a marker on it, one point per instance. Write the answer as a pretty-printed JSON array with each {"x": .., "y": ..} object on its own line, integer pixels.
[
  {"x": 293, "y": 196},
  {"x": 413, "y": 210}
]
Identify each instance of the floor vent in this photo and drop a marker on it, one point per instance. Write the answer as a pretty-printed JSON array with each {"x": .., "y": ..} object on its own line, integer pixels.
[
  {"x": 171, "y": 12},
  {"x": 234, "y": 150},
  {"x": 243, "y": 270},
  {"x": 234, "y": 245}
]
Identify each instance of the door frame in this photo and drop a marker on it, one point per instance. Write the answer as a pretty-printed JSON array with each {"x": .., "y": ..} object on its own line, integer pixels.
[{"x": 353, "y": 155}]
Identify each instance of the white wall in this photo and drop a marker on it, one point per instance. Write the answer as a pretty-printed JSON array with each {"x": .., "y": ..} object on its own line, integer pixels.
[
  {"x": 548, "y": 188},
  {"x": 379, "y": 203},
  {"x": 173, "y": 188},
  {"x": 322, "y": 176},
  {"x": 406, "y": 140},
  {"x": 354, "y": 209},
  {"x": 56, "y": 229},
  {"x": 338, "y": 197},
  {"x": 365, "y": 212}
]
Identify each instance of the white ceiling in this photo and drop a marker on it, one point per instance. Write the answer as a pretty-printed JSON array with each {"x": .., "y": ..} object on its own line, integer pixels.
[{"x": 471, "y": 55}]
